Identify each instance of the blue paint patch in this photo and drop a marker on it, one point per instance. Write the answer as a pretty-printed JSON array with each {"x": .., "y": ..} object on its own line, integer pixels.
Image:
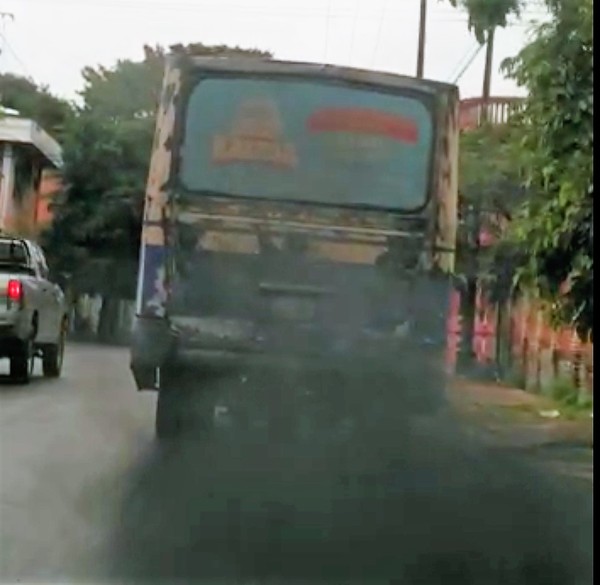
[{"x": 153, "y": 293}]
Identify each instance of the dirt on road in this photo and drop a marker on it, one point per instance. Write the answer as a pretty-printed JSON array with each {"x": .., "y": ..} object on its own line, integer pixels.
[{"x": 518, "y": 418}]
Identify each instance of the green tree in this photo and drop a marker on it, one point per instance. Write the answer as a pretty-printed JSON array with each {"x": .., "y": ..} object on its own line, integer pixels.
[
  {"x": 96, "y": 231},
  {"x": 485, "y": 15},
  {"x": 131, "y": 89},
  {"x": 491, "y": 192},
  {"x": 490, "y": 172},
  {"x": 95, "y": 228},
  {"x": 555, "y": 225},
  {"x": 35, "y": 102}
]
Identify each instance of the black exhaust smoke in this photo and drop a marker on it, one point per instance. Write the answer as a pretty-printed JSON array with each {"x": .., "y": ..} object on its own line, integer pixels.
[{"x": 369, "y": 490}]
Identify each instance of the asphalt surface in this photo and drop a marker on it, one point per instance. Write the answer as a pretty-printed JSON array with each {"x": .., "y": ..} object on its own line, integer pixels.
[{"x": 87, "y": 495}]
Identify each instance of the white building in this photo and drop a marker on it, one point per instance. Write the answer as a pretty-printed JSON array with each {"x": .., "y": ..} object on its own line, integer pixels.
[{"x": 26, "y": 151}]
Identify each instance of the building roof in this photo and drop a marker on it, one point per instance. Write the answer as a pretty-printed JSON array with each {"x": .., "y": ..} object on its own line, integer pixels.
[{"x": 24, "y": 131}]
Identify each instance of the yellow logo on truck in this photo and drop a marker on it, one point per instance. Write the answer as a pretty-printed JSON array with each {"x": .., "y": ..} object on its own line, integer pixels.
[{"x": 256, "y": 137}]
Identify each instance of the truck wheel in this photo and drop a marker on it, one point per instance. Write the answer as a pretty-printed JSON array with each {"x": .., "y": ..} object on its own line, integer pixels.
[
  {"x": 21, "y": 364},
  {"x": 53, "y": 357}
]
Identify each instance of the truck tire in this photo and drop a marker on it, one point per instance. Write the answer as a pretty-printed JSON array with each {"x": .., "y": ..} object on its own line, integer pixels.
[
  {"x": 53, "y": 357},
  {"x": 21, "y": 364}
]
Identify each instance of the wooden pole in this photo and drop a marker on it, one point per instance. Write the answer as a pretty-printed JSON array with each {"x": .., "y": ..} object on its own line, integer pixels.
[
  {"x": 422, "y": 35},
  {"x": 487, "y": 74},
  {"x": 467, "y": 358}
]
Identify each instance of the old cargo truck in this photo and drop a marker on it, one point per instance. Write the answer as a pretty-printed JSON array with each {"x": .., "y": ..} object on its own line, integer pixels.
[{"x": 298, "y": 217}]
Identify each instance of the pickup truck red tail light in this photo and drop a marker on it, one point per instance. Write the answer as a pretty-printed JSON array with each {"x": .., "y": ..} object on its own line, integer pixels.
[{"x": 14, "y": 291}]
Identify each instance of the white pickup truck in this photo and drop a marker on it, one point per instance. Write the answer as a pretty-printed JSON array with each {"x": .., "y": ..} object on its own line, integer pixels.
[{"x": 33, "y": 311}]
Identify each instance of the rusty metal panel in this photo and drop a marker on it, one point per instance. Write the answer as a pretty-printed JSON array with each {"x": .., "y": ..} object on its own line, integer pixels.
[
  {"x": 153, "y": 273},
  {"x": 160, "y": 162},
  {"x": 353, "y": 252},
  {"x": 259, "y": 66},
  {"x": 447, "y": 187}
]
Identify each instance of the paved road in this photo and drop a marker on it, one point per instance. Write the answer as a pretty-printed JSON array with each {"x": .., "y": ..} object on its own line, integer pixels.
[
  {"x": 86, "y": 495},
  {"x": 66, "y": 449}
]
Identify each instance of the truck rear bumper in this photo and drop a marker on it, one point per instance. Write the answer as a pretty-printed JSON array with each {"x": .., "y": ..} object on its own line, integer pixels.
[
  {"x": 7, "y": 330},
  {"x": 11, "y": 340},
  {"x": 12, "y": 326},
  {"x": 157, "y": 349}
]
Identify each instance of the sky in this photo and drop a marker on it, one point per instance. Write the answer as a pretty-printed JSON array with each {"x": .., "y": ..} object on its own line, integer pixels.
[{"x": 51, "y": 41}]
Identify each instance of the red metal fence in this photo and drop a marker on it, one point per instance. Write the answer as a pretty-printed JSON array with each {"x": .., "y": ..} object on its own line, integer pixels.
[{"x": 539, "y": 354}]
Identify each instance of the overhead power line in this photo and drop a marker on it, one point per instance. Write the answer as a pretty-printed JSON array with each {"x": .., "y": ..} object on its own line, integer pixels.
[
  {"x": 7, "y": 45},
  {"x": 237, "y": 6},
  {"x": 379, "y": 31},
  {"x": 4, "y": 16},
  {"x": 468, "y": 64},
  {"x": 354, "y": 23},
  {"x": 468, "y": 54},
  {"x": 327, "y": 26}
]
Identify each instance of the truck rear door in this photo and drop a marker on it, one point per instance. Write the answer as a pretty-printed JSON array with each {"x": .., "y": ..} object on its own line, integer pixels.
[{"x": 291, "y": 195}]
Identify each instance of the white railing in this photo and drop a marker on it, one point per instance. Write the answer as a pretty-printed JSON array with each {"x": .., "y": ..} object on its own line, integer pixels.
[{"x": 498, "y": 109}]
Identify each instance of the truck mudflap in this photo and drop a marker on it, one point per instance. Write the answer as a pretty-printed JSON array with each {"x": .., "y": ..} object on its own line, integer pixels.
[{"x": 153, "y": 345}]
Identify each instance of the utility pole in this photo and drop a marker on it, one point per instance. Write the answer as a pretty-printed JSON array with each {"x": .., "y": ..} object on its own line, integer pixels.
[
  {"x": 422, "y": 34},
  {"x": 487, "y": 74}
]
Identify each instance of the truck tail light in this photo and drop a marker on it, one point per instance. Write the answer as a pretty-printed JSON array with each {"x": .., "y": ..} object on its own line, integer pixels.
[{"x": 14, "y": 291}]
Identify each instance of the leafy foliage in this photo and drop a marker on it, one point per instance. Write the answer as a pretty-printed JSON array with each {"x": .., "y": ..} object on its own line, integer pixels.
[
  {"x": 34, "y": 101},
  {"x": 95, "y": 233},
  {"x": 490, "y": 173},
  {"x": 555, "y": 225},
  {"x": 491, "y": 190},
  {"x": 488, "y": 14},
  {"x": 128, "y": 91},
  {"x": 131, "y": 89},
  {"x": 96, "y": 230}
]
